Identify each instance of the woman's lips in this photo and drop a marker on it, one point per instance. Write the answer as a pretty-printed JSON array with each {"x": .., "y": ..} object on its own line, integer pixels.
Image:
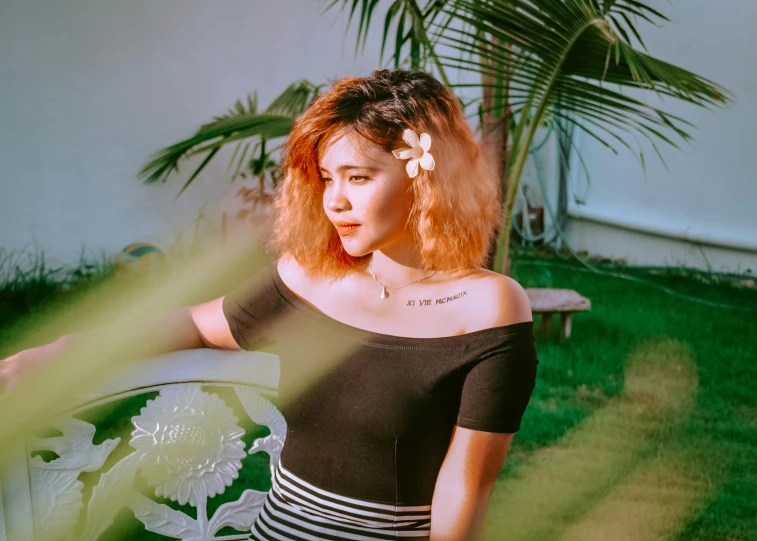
[{"x": 346, "y": 229}]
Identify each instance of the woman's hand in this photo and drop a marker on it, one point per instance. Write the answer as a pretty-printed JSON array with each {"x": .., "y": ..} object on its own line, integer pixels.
[
  {"x": 16, "y": 367},
  {"x": 11, "y": 371}
]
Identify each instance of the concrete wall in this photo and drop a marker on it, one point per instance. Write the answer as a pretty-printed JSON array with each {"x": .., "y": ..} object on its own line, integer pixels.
[
  {"x": 702, "y": 212},
  {"x": 89, "y": 89}
]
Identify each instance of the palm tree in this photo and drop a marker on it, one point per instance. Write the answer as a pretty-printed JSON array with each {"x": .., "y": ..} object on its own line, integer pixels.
[{"x": 536, "y": 62}]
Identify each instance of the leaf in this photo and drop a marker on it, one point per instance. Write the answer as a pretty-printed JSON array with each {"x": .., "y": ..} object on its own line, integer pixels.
[
  {"x": 239, "y": 514},
  {"x": 197, "y": 171},
  {"x": 560, "y": 48},
  {"x": 407, "y": 12},
  {"x": 399, "y": 40},
  {"x": 391, "y": 12},
  {"x": 261, "y": 411},
  {"x": 294, "y": 100},
  {"x": 212, "y": 136},
  {"x": 110, "y": 495},
  {"x": 160, "y": 518}
]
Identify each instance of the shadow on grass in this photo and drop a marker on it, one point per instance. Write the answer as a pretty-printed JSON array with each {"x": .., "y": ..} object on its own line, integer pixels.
[{"x": 613, "y": 476}]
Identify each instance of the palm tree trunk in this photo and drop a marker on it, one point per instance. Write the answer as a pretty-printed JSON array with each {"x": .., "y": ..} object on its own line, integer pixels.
[{"x": 495, "y": 142}]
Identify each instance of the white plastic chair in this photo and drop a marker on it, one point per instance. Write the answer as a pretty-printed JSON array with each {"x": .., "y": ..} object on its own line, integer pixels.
[{"x": 186, "y": 445}]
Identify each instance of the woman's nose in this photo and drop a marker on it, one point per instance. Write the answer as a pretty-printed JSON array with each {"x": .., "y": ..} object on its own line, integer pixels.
[{"x": 337, "y": 198}]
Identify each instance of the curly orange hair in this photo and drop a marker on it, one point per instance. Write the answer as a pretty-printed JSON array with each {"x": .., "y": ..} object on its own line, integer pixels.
[{"x": 455, "y": 207}]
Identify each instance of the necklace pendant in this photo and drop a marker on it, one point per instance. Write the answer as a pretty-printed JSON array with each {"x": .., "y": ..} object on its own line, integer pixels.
[{"x": 384, "y": 293}]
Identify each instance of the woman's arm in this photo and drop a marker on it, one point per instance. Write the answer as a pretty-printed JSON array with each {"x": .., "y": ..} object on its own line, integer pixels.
[
  {"x": 190, "y": 327},
  {"x": 475, "y": 458},
  {"x": 461, "y": 495}
]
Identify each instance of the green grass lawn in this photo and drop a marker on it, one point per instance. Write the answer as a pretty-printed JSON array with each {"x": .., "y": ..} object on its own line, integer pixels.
[
  {"x": 707, "y": 449},
  {"x": 582, "y": 374}
]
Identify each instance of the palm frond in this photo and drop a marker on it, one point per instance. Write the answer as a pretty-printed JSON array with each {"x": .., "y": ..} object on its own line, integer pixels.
[
  {"x": 210, "y": 138},
  {"x": 575, "y": 52},
  {"x": 410, "y": 20},
  {"x": 574, "y": 60},
  {"x": 239, "y": 108},
  {"x": 295, "y": 99},
  {"x": 241, "y": 123}
]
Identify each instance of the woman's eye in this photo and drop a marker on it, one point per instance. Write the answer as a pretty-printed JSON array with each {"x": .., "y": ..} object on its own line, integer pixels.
[{"x": 353, "y": 177}]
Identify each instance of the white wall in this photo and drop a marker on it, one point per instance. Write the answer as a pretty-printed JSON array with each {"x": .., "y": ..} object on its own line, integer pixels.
[
  {"x": 709, "y": 194},
  {"x": 89, "y": 89}
]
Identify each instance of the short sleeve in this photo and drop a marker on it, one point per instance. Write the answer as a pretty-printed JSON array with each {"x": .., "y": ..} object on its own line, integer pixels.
[
  {"x": 251, "y": 310},
  {"x": 500, "y": 376}
]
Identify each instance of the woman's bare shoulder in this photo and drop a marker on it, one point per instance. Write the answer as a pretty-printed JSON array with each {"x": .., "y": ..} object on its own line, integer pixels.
[
  {"x": 500, "y": 299},
  {"x": 289, "y": 269},
  {"x": 294, "y": 276}
]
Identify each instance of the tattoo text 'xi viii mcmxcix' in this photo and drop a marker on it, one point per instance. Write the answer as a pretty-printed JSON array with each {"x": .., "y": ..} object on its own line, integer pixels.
[{"x": 441, "y": 300}]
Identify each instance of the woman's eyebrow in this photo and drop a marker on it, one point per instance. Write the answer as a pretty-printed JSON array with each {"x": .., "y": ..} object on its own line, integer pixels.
[{"x": 343, "y": 168}]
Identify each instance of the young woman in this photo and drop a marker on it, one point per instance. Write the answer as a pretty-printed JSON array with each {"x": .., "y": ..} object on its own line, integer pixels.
[{"x": 405, "y": 367}]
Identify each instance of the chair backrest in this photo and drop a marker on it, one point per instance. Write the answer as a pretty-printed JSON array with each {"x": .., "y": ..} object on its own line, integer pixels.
[{"x": 186, "y": 444}]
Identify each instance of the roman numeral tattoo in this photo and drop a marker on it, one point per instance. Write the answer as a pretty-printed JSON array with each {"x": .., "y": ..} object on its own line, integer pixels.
[{"x": 442, "y": 300}]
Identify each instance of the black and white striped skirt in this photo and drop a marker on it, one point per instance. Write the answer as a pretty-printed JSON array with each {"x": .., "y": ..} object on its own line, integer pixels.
[{"x": 297, "y": 510}]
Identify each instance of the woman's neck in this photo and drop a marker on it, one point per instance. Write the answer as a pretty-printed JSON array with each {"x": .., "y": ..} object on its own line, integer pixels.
[{"x": 398, "y": 269}]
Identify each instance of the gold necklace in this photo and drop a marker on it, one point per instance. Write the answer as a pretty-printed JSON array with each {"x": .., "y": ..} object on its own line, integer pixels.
[{"x": 384, "y": 291}]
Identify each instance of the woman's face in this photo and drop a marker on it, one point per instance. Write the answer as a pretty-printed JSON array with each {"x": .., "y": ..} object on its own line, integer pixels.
[{"x": 367, "y": 186}]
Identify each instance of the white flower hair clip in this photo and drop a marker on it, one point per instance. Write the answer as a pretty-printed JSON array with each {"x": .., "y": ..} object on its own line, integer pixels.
[{"x": 417, "y": 153}]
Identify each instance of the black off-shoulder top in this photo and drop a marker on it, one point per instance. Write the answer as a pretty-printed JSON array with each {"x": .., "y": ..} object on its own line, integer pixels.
[{"x": 370, "y": 415}]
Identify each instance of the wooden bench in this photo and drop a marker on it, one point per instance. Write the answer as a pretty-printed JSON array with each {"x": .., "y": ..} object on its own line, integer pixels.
[{"x": 548, "y": 302}]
